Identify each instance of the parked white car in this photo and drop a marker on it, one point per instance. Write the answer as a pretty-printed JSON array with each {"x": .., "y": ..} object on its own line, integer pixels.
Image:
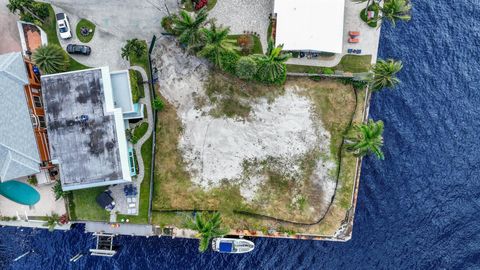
[{"x": 63, "y": 26}]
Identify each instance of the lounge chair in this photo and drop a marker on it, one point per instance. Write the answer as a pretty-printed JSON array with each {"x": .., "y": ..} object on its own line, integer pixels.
[
  {"x": 353, "y": 33},
  {"x": 353, "y": 40}
]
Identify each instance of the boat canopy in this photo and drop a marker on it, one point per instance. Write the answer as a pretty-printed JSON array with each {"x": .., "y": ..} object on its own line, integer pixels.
[{"x": 226, "y": 247}]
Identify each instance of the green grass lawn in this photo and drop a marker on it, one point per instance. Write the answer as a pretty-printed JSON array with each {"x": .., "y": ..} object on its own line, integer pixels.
[
  {"x": 349, "y": 63},
  {"x": 88, "y": 24},
  {"x": 50, "y": 28},
  {"x": 140, "y": 130},
  {"x": 141, "y": 61},
  {"x": 85, "y": 206},
  {"x": 144, "y": 187}
]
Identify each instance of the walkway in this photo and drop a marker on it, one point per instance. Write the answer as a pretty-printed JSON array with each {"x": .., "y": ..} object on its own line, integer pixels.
[
  {"x": 124, "y": 229},
  {"x": 117, "y": 190}
]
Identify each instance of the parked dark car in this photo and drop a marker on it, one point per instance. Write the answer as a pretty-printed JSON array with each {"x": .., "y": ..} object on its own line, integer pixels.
[{"x": 78, "y": 49}]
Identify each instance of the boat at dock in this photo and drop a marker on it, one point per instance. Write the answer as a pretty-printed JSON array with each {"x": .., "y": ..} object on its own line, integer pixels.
[{"x": 232, "y": 245}]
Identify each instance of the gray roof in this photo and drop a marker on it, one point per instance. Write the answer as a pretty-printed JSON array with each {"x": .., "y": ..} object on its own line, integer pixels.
[
  {"x": 18, "y": 148},
  {"x": 87, "y": 151}
]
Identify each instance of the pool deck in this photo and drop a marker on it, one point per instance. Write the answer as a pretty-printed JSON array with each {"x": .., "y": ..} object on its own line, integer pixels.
[{"x": 44, "y": 207}]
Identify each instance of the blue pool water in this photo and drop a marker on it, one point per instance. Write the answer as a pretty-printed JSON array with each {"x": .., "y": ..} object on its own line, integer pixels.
[{"x": 418, "y": 209}]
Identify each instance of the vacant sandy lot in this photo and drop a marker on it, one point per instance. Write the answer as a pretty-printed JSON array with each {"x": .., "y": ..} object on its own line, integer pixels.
[{"x": 216, "y": 149}]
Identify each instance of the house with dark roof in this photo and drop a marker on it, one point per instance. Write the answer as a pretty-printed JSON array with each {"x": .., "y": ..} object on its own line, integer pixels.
[{"x": 86, "y": 115}]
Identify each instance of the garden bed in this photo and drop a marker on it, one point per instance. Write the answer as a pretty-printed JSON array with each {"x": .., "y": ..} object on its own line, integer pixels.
[{"x": 87, "y": 24}]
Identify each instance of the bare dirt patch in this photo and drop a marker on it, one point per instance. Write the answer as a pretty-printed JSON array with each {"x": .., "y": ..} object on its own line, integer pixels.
[{"x": 229, "y": 145}]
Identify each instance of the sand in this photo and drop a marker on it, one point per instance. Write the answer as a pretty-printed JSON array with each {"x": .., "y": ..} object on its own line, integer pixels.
[{"x": 214, "y": 149}]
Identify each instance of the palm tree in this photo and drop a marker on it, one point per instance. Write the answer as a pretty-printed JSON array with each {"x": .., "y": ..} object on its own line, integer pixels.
[
  {"x": 188, "y": 28},
  {"x": 216, "y": 44},
  {"x": 271, "y": 66},
  {"x": 51, "y": 222},
  {"x": 383, "y": 74},
  {"x": 208, "y": 227},
  {"x": 134, "y": 47},
  {"x": 394, "y": 10},
  {"x": 367, "y": 138},
  {"x": 22, "y": 6},
  {"x": 50, "y": 58}
]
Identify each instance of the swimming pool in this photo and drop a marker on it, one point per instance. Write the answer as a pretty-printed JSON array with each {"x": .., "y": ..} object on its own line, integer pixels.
[{"x": 19, "y": 192}]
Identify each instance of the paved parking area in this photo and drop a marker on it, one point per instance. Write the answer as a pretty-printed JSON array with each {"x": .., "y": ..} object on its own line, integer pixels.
[{"x": 116, "y": 21}]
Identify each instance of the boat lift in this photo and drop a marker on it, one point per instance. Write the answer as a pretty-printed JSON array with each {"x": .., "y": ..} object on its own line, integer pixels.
[{"x": 104, "y": 245}]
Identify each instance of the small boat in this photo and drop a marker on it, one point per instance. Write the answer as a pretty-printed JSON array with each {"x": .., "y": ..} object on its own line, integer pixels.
[{"x": 232, "y": 245}]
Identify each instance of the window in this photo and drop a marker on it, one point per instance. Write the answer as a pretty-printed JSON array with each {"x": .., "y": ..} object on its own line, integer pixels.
[
  {"x": 37, "y": 101},
  {"x": 35, "y": 90},
  {"x": 34, "y": 120},
  {"x": 41, "y": 121}
]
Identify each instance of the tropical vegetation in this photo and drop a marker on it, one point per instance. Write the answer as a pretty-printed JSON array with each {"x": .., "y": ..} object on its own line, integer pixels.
[
  {"x": 366, "y": 139},
  {"x": 187, "y": 27},
  {"x": 58, "y": 191},
  {"x": 29, "y": 9},
  {"x": 52, "y": 221},
  {"x": 158, "y": 104},
  {"x": 271, "y": 66},
  {"x": 383, "y": 74},
  {"x": 396, "y": 10},
  {"x": 392, "y": 10},
  {"x": 133, "y": 47},
  {"x": 51, "y": 58},
  {"x": 246, "y": 68},
  {"x": 216, "y": 44},
  {"x": 208, "y": 226}
]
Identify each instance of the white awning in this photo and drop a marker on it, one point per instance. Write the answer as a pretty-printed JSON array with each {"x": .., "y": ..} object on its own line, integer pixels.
[{"x": 315, "y": 25}]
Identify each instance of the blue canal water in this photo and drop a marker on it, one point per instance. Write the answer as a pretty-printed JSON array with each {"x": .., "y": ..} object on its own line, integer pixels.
[{"x": 418, "y": 209}]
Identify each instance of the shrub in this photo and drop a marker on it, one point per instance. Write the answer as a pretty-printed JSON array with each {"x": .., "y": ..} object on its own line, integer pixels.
[
  {"x": 40, "y": 9},
  {"x": 229, "y": 61},
  {"x": 59, "y": 193},
  {"x": 32, "y": 180},
  {"x": 328, "y": 71},
  {"x": 167, "y": 24},
  {"x": 246, "y": 68},
  {"x": 158, "y": 104}
]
